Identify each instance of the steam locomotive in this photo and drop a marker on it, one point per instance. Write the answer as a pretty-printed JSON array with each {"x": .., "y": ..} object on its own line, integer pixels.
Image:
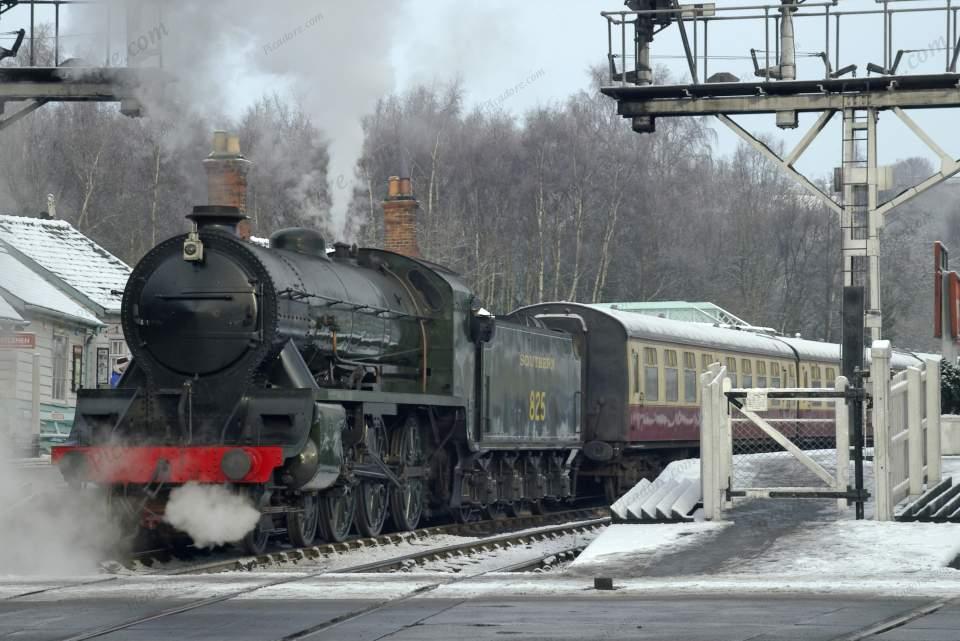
[
  {"x": 355, "y": 387},
  {"x": 336, "y": 389}
]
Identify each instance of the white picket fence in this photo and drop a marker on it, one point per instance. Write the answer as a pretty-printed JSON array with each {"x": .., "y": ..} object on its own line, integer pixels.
[{"x": 906, "y": 429}]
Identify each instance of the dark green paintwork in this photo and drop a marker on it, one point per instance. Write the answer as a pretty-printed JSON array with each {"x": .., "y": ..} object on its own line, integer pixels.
[
  {"x": 531, "y": 388},
  {"x": 326, "y": 432}
]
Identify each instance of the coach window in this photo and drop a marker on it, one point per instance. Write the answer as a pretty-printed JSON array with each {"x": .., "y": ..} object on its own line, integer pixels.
[
  {"x": 636, "y": 371},
  {"x": 815, "y": 376},
  {"x": 746, "y": 367},
  {"x": 774, "y": 374},
  {"x": 831, "y": 378},
  {"x": 761, "y": 374},
  {"x": 651, "y": 375},
  {"x": 671, "y": 376},
  {"x": 690, "y": 377},
  {"x": 707, "y": 360},
  {"x": 732, "y": 371},
  {"x": 815, "y": 381}
]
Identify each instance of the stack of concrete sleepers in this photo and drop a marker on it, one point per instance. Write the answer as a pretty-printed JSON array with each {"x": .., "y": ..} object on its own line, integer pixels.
[{"x": 670, "y": 498}]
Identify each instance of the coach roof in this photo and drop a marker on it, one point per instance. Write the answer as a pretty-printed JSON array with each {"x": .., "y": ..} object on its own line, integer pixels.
[{"x": 711, "y": 337}]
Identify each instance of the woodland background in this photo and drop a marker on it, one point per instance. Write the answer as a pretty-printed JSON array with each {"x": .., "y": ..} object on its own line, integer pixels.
[{"x": 565, "y": 202}]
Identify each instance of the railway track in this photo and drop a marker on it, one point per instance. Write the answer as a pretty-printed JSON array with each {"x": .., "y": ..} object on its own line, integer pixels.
[
  {"x": 155, "y": 561},
  {"x": 419, "y": 557}
]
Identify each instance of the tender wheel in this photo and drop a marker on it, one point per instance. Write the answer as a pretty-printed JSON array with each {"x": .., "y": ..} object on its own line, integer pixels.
[
  {"x": 465, "y": 514},
  {"x": 302, "y": 526},
  {"x": 538, "y": 507},
  {"x": 337, "y": 507},
  {"x": 255, "y": 542},
  {"x": 495, "y": 512},
  {"x": 373, "y": 500},
  {"x": 406, "y": 502}
]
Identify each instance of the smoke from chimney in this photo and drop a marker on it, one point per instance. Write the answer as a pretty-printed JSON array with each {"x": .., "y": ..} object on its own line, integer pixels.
[{"x": 400, "y": 218}]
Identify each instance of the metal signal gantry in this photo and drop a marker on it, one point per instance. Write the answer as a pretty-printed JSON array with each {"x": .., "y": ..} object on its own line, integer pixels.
[
  {"x": 35, "y": 80},
  {"x": 776, "y": 88}
]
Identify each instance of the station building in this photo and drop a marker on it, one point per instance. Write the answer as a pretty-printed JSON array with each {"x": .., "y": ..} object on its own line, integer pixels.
[{"x": 60, "y": 297}]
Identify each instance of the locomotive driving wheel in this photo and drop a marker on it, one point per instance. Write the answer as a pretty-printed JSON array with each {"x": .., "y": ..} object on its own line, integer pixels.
[
  {"x": 255, "y": 541},
  {"x": 373, "y": 500},
  {"x": 302, "y": 525},
  {"x": 337, "y": 507},
  {"x": 406, "y": 501}
]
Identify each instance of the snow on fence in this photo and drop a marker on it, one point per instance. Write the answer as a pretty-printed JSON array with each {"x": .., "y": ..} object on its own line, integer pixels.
[{"x": 906, "y": 429}]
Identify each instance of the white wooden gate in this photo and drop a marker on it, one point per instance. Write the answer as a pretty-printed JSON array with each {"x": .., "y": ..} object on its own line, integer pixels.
[
  {"x": 758, "y": 442},
  {"x": 906, "y": 429}
]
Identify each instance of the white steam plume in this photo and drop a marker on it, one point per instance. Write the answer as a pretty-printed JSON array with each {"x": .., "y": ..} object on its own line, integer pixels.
[
  {"x": 210, "y": 514},
  {"x": 48, "y": 529},
  {"x": 333, "y": 57}
]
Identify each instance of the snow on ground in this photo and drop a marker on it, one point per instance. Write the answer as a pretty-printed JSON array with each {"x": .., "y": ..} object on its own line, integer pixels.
[
  {"x": 633, "y": 544},
  {"x": 867, "y": 549},
  {"x": 818, "y": 551}
]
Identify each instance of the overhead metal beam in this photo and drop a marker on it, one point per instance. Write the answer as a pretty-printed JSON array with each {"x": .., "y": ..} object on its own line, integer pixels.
[
  {"x": 949, "y": 167},
  {"x": 766, "y": 104},
  {"x": 945, "y": 159},
  {"x": 691, "y": 63},
  {"x": 17, "y": 115},
  {"x": 909, "y": 194},
  {"x": 808, "y": 138},
  {"x": 706, "y": 99},
  {"x": 800, "y": 179},
  {"x": 78, "y": 83}
]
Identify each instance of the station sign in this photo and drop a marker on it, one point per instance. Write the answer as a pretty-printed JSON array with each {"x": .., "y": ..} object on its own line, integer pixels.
[{"x": 18, "y": 340}]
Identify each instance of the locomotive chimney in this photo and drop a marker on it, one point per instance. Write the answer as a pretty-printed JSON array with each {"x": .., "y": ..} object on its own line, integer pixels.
[
  {"x": 227, "y": 176},
  {"x": 400, "y": 218}
]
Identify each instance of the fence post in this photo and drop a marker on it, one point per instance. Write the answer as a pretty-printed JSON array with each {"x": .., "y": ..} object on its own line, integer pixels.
[
  {"x": 842, "y": 422},
  {"x": 726, "y": 439},
  {"x": 915, "y": 430},
  {"x": 934, "y": 469},
  {"x": 880, "y": 381},
  {"x": 707, "y": 455}
]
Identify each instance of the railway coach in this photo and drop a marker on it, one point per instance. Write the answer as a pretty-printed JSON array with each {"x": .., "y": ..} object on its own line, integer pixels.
[{"x": 641, "y": 389}]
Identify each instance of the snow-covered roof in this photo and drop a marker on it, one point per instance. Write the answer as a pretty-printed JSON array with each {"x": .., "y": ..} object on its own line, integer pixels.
[
  {"x": 696, "y": 312},
  {"x": 8, "y": 314},
  {"x": 79, "y": 262},
  {"x": 712, "y": 337},
  {"x": 23, "y": 283}
]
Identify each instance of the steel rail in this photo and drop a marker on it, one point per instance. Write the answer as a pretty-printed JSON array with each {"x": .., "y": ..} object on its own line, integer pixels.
[
  {"x": 478, "y": 545},
  {"x": 242, "y": 562}
]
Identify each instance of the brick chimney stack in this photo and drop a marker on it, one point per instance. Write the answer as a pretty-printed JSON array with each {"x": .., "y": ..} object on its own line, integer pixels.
[
  {"x": 400, "y": 218},
  {"x": 227, "y": 172}
]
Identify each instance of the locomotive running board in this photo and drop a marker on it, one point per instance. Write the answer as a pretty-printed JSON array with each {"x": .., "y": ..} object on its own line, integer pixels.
[{"x": 334, "y": 395}]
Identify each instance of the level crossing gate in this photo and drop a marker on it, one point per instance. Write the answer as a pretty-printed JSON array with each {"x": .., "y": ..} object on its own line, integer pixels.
[
  {"x": 906, "y": 429},
  {"x": 773, "y": 443}
]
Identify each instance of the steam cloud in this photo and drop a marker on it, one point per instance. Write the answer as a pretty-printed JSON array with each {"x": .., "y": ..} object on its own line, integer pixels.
[
  {"x": 210, "y": 514},
  {"x": 47, "y": 529},
  {"x": 333, "y": 57}
]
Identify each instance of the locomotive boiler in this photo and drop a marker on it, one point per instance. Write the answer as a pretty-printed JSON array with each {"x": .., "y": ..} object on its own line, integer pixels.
[{"x": 336, "y": 389}]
